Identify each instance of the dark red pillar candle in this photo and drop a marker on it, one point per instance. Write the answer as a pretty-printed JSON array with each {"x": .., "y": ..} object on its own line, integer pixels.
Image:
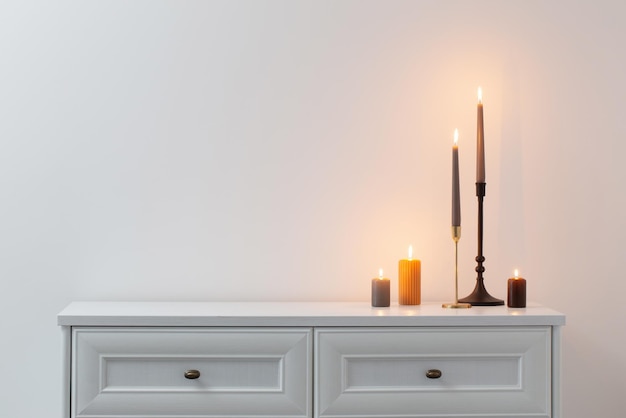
[{"x": 516, "y": 293}]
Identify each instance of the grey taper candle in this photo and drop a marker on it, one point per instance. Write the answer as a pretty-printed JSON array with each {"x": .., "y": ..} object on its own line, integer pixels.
[
  {"x": 480, "y": 141},
  {"x": 456, "y": 199}
]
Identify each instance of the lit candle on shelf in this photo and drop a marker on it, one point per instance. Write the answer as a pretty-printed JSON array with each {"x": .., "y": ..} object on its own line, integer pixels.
[
  {"x": 516, "y": 292},
  {"x": 409, "y": 278},
  {"x": 380, "y": 291},
  {"x": 480, "y": 141},
  {"x": 456, "y": 199}
]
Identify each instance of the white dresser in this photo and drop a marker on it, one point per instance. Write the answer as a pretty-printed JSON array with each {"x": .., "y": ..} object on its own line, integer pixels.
[{"x": 309, "y": 359}]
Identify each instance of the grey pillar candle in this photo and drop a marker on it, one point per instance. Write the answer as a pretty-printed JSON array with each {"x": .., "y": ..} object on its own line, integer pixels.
[
  {"x": 480, "y": 141},
  {"x": 456, "y": 199},
  {"x": 381, "y": 291}
]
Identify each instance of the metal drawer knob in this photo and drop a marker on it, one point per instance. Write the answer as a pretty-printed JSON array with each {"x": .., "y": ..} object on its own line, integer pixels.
[
  {"x": 433, "y": 374},
  {"x": 192, "y": 374}
]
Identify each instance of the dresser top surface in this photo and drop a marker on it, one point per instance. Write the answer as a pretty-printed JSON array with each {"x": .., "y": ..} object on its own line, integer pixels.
[{"x": 298, "y": 314}]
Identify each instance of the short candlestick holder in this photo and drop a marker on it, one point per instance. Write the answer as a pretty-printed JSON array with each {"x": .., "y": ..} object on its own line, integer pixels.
[
  {"x": 480, "y": 296},
  {"x": 456, "y": 236}
]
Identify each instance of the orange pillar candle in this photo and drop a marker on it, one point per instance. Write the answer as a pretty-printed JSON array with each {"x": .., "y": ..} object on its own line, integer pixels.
[
  {"x": 409, "y": 277},
  {"x": 516, "y": 292},
  {"x": 380, "y": 291}
]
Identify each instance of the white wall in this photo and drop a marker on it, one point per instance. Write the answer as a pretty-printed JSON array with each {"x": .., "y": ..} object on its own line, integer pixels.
[{"x": 285, "y": 150}]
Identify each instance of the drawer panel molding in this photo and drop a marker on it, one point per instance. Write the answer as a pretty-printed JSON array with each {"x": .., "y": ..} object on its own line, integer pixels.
[
  {"x": 236, "y": 374},
  {"x": 408, "y": 373}
]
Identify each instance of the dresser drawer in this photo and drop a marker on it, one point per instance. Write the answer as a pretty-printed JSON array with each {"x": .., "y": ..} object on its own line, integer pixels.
[
  {"x": 484, "y": 372},
  {"x": 151, "y": 372}
]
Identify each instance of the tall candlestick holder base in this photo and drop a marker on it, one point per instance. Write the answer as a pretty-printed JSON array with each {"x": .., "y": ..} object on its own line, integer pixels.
[
  {"x": 480, "y": 296},
  {"x": 456, "y": 236}
]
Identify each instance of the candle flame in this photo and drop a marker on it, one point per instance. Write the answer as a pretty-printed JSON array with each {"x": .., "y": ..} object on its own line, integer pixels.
[
  {"x": 410, "y": 252},
  {"x": 456, "y": 137},
  {"x": 380, "y": 274},
  {"x": 480, "y": 95},
  {"x": 516, "y": 273}
]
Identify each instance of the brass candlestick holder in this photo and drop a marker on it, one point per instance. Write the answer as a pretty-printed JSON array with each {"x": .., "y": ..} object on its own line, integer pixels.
[
  {"x": 456, "y": 236},
  {"x": 480, "y": 296}
]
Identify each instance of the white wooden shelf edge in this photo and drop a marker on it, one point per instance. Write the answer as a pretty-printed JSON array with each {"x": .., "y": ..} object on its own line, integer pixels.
[{"x": 309, "y": 314}]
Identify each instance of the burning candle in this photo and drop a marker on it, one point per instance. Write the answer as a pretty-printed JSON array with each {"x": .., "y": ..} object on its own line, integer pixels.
[
  {"x": 409, "y": 275},
  {"x": 380, "y": 291},
  {"x": 480, "y": 141},
  {"x": 516, "y": 292},
  {"x": 456, "y": 200}
]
